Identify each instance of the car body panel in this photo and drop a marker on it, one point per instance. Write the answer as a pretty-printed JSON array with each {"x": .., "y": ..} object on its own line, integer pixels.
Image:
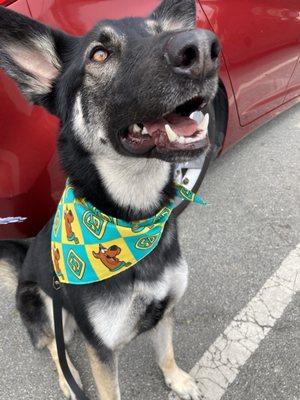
[
  {"x": 293, "y": 88},
  {"x": 261, "y": 49},
  {"x": 30, "y": 178},
  {"x": 78, "y": 16}
]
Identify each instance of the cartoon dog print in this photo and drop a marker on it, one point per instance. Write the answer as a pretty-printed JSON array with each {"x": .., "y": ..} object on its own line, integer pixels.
[
  {"x": 56, "y": 258},
  {"x": 108, "y": 256},
  {"x": 69, "y": 218}
]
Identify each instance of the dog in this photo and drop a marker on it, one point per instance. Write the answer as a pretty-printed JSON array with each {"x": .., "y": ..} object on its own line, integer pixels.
[{"x": 121, "y": 92}]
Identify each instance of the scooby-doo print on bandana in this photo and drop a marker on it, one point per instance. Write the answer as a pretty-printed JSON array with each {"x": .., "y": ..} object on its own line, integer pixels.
[
  {"x": 89, "y": 246},
  {"x": 109, "y": 257},
  {"x": 56, "y": 260},
  {"x": 69, "y": 218}
]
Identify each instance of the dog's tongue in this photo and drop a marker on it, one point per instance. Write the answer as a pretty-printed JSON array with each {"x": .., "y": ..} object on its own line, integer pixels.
[{"x": 182, "y": 126}]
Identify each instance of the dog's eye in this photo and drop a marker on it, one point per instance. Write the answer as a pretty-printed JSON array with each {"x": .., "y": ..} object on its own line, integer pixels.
[{"x": 99, "y": 54}]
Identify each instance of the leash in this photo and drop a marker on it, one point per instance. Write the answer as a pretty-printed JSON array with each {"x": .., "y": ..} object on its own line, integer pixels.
[{"x": 60, "y": 341}]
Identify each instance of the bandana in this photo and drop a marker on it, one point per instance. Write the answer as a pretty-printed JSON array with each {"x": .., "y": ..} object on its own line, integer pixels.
[{"x": 89, "y": 246}]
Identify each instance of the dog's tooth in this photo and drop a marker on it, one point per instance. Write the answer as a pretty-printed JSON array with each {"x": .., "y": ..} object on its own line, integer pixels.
[
  {"x": 202, "y": 135},
  {"x": 204, "y": 123},
  {"x": 171, "y": 134},
  {"x": 136, "y": 128},
  {"x": 144, "y": 131},
  {"x": 197, "y": 116}
]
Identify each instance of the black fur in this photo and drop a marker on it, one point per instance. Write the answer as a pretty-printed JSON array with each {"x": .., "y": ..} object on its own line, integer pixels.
[
  {"x": 154, "y": 313},
  {"x": 14, "y": 251},
  {"x": 33, "y": 313},
  {"x": 181, "y": 11}
]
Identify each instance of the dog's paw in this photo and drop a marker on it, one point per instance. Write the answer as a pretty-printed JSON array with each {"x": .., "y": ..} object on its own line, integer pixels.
[{"x": 183, "y": 385}]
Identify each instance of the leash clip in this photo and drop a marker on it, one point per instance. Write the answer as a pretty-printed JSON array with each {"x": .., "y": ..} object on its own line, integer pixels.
[{"x": 56, "y": 283}]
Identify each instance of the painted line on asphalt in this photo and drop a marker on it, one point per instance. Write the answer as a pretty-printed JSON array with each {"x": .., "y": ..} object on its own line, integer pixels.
[{"x": 221, "y": 363}]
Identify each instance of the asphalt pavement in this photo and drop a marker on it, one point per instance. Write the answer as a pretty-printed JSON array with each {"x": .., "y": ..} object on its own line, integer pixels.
[{"x": 233, "y": 246}]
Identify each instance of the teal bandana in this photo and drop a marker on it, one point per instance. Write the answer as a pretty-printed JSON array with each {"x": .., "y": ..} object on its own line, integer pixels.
[{"x": 89, "y": 246}]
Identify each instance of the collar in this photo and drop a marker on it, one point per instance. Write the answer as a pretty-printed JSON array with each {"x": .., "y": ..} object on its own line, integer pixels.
[{"x": 89, "y": 246}]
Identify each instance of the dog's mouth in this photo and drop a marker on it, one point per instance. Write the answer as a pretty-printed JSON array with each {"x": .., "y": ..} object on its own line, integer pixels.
[{"x": 186, "y": 128}]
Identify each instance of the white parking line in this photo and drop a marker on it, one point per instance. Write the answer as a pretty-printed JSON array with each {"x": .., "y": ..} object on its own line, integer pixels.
[{"x": 220, "y": 364}]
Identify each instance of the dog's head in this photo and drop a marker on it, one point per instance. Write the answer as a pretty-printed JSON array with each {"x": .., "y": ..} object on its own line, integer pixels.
[{"x": 128, "y": 86}]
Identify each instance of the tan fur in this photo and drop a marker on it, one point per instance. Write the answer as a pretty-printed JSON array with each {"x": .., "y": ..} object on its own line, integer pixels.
[
  {"x": 176, "y": 379},
  {"x": 68, "y": 320},
  {"x": 62, "y": 382},
  {"x": 106, "y": 378},
  {"x": 8, "y": 276}
]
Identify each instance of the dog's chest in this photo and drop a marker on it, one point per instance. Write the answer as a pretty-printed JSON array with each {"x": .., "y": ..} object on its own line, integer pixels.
[{"x": 118, "y": 322}]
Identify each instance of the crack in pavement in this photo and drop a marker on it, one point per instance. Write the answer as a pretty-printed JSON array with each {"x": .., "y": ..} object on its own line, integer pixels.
[{"x": 221, "y": 363}]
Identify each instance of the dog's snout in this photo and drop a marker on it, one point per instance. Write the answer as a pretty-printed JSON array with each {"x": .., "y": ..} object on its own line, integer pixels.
[{"x": 193, "y": 53}]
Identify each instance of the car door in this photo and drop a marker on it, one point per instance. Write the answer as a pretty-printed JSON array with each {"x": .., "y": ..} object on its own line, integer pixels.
[
  {"x": 260, "y": 41},
  {"x": 293, "y": 89}
]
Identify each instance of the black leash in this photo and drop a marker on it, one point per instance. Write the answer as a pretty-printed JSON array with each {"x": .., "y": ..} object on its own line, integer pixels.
[{"x": 60, "y": 341}]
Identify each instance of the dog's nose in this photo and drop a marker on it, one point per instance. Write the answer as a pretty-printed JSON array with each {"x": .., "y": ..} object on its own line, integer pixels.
[{"x": 193, "y": 53}]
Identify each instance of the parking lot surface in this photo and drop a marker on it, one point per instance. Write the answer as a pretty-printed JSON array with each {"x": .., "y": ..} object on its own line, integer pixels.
[{"x": 234, "y": 246}]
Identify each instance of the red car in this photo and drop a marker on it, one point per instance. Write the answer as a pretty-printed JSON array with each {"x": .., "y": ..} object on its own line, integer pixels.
[{"x": 259, "y": 78}]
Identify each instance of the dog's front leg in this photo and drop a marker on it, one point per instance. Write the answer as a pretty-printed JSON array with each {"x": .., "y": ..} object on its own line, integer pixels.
[
  {"x": 105, "y": 374},
  {"x": 176, "y": 379},
  {"x": 52, "y": 347}
]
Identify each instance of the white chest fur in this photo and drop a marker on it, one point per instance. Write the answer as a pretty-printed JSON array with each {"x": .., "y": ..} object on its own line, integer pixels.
[
  {"x": 115, "y": 322},
  {"x": 134, "y": 183}
]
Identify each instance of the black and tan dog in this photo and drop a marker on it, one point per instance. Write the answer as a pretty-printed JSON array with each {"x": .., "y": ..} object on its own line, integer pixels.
[{"x": 124, "y": 93}]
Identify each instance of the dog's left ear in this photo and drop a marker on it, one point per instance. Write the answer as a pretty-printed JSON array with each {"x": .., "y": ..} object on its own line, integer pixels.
[
  {"x": 30, "y": 53},
  {"x": 175, "y": 14}
]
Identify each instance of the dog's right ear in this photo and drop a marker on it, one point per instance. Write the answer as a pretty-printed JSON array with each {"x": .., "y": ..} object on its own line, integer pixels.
[
  {"x": 175, "y": 14},
  {"x": 30, "y": 53}
]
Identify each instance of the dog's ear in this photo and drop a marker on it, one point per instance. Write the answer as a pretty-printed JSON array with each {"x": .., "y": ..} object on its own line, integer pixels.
[
  {"x": 175, "y": 14},
  {"x": 30, "y": 53}
]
